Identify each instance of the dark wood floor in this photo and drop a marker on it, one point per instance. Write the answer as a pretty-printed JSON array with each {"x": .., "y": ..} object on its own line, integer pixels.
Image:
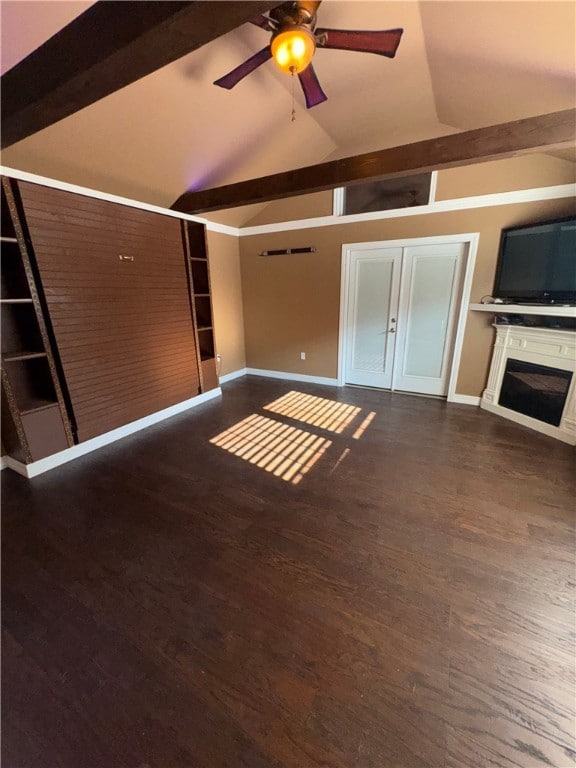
[{"x": 169, "y": 603}]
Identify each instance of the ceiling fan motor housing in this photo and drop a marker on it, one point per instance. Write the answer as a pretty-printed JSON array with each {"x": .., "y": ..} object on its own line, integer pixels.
[{"x": 295, "y": 14}]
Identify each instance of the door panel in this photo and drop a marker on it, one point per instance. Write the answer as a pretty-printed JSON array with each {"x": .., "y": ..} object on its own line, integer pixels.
[
  {"x": 428, "y": 308},
  {"x": 372, "y": 309}
]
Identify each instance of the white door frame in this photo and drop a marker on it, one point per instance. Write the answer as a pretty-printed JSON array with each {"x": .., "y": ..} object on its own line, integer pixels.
[{"x": 470, "y": 239}]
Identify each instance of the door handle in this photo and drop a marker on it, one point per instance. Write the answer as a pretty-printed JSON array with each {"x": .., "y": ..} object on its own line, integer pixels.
[{"x": 392, "y": 330}]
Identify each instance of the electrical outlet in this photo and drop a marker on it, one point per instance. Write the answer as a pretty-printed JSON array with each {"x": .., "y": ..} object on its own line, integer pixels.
[{"x": 302, "y": 355}]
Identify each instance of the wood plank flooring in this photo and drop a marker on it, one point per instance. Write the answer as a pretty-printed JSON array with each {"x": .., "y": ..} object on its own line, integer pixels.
[{"x": 383, "y": 583}]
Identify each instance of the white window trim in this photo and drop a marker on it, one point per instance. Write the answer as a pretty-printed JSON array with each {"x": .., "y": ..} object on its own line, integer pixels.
[{"x": 339, "y": 198}]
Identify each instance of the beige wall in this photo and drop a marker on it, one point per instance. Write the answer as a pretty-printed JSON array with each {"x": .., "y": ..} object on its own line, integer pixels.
[
  {"x": 291, "y": 303},
  {"x": 227, "y": 301},
  {"x": 293, "y": 208},
  {"x": 525, "y": 172}
]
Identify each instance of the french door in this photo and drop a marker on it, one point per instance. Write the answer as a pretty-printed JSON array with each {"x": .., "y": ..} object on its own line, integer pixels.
[
  {"x": 372, "y": 310},
  {"x": 401, "y": 316}
]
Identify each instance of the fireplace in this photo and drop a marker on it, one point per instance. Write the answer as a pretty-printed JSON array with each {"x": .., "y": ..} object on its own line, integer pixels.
[{"x": 532, "y": 379}]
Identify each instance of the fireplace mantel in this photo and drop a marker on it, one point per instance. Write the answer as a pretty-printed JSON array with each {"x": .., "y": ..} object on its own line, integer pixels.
[{"x": 546, "y": 347}]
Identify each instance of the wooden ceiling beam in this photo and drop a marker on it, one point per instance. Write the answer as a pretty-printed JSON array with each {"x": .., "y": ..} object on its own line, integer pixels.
[
  {"x": 112, "y": 44},
  {"x": 554, "y": 130}
]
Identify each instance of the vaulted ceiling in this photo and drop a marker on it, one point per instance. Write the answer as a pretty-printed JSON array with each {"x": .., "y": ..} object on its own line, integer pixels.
[{"x": 460, "y": 65}]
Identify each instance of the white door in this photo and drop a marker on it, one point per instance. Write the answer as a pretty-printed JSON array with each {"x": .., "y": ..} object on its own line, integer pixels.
[
  {"x": 429, "y": 304},
  {"x": 373, "y": 289},
  {"x": 400, "y": 328}
]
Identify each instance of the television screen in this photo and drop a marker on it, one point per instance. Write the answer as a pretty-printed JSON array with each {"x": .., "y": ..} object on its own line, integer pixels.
[{"x": 538, "y": 263}]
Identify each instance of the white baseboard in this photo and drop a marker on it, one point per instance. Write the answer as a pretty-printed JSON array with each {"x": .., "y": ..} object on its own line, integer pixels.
[
  {"x": 465, "y": 399},
  {"x": 234, "y": 375},
  {"x": 63, "y": 457},
  {"x": 9, "y": 463},
  {"x": 292, "y": 376}
]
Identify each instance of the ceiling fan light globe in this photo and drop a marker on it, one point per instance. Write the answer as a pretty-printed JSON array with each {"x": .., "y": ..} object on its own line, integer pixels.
[{"x": 292, "y": 49}]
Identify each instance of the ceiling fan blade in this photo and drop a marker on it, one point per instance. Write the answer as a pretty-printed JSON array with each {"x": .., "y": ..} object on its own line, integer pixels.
[
  {"x": 384, "y": 42},
  {"x": 313, "y": 92},
  {"x": 233, "y": 78}
]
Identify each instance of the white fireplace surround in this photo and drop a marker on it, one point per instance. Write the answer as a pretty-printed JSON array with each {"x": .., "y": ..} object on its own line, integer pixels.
[{"x": 541, "y": 346}]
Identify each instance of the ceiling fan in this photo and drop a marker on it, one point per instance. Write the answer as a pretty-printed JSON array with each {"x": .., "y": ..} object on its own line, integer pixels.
[{"x": 294, "y": 39}]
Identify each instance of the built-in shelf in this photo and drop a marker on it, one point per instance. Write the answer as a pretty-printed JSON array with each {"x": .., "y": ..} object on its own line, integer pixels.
[
  {"x": 15, "y": 301},
  {"x": 195, "y": 239},
  {"x": 550, "y": 310},
  {"x": 14, "y": 356},
  {"x": 33, "y": 410},
  {"x": 200, "y": 278},
  {"x": 33, "y": 406}
]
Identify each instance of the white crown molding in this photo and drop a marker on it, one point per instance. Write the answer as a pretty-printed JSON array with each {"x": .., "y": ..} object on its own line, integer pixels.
[
  {"x": 440, "y": 206},
  {"x": 211, "y": 226},
  {"x": 69, "y": 454}
]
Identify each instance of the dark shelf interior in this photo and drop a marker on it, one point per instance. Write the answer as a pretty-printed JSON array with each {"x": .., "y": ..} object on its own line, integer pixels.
[
  {"x": 14, "y": 282},
  {"x": 206, "y": 343},
  {"x": 20, "y": 331},
  {"x": 10, "y": 437},
  {"x": 203, "y": 311},
  {"x": 6, "y": 228},
  {"x": 197, "y": 240},
  {"x": 31, "y": 383},
  {"x": 39, "y": 405},
  {"x": 200, "y": 280}
]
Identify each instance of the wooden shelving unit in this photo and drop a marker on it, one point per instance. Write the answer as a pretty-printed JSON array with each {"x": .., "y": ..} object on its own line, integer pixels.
[
  {"x": 199, "y": 275},
  {"x": 34, "y": 416}
]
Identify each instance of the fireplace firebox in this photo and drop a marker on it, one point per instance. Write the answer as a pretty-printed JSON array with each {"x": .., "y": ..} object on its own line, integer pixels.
[{"x": 535, "y": 390}]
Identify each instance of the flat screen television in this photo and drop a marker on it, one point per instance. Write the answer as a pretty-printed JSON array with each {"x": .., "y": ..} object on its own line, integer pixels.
[{"x": 537, "y": 263}]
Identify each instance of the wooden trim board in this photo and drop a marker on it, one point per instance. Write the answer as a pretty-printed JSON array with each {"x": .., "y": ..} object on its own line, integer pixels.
[
  {"x": 109, "y": 46},
  {"x": 495, "y": 142}
]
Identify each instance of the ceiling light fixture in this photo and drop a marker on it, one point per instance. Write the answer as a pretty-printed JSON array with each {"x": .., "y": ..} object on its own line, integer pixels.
[
  {"x": 293, "y": 48},
  {"x": 295, "y": 38}
]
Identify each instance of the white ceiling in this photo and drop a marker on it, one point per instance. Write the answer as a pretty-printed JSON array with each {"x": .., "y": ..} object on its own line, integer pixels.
[{"x": 460, "y": 65}]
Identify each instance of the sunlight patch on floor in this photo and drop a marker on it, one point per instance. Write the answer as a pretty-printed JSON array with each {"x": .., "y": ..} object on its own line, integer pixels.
[
  {"x": 364, "y": 426},
  {"x": 284, "y": 451},
  {"x": 316, "y": 411}
]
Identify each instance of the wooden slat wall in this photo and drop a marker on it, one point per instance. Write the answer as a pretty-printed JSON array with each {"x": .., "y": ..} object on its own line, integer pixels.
[{"x": 123, "y": 329}]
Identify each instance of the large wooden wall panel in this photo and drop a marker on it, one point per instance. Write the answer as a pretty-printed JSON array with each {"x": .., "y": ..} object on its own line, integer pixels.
[{"x": 123, "y": 328}]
